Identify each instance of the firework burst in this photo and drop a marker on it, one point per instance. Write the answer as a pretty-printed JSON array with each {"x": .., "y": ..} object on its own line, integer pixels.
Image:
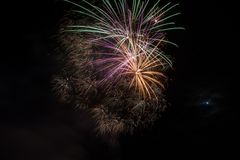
[
  {"x": 113, "y": 65},
  {"x": 131, "y": 36}
]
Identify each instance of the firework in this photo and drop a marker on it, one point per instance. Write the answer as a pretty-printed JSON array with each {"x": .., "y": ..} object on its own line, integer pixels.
[
  {"x": 131, "y": 37},
  {"x": 124, "y": 63}
]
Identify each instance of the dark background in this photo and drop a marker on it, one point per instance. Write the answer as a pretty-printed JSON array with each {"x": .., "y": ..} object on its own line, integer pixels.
[{"x": 202, "y": 117}]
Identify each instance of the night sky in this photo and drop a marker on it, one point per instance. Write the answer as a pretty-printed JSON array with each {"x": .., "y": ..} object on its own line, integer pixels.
[{"x": 203, "y": 113}]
